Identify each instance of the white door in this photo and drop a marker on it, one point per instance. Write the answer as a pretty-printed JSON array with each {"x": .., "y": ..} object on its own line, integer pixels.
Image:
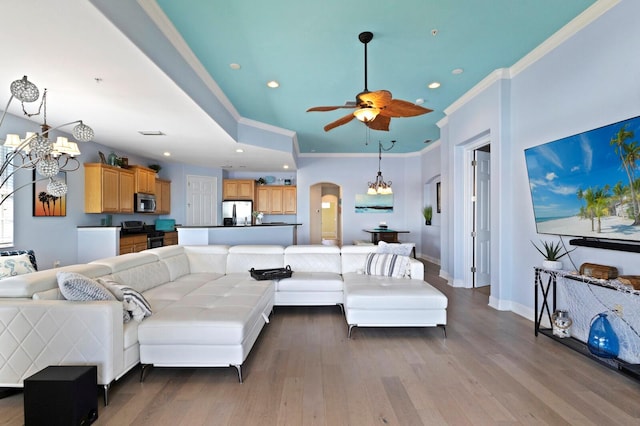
[
  {"x": 202, "y": 201},
  {"x": 482, "y": 223}
]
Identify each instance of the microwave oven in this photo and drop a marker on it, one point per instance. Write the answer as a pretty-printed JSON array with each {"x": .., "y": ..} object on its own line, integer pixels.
[{"x": 145, "y": 203}]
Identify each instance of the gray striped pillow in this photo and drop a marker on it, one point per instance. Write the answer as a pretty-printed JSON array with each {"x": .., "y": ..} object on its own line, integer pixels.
[
  {"x": 386, "y": 264},
  {"x": 133, "y": 301}
]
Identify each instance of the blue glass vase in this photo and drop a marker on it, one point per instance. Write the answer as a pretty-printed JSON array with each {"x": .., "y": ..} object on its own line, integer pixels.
[{"x": 603, "y": 341}]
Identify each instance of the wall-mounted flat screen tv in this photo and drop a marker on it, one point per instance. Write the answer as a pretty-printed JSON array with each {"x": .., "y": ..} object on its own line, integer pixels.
[{"x": 588, "y": 185}]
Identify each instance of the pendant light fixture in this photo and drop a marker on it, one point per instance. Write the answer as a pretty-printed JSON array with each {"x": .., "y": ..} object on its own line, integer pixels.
[{"x": 379, "y": 186}]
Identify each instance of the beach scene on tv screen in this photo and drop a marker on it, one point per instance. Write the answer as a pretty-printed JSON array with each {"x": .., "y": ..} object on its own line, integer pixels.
[{"x": 588, "y": 185}]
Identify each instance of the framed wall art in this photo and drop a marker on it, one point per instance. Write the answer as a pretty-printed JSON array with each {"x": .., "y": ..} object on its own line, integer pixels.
[{"x": 45, "y": 204}]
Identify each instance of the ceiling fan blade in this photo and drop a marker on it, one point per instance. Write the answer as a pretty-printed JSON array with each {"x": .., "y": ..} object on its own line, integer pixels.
[
  {"x": 329, "y": 108},
  {"x": 379, "y": 98},
  {"x": 400, "y": 108},
  {"x": 339, "y": 122},
  {"x": 381, "y": 122}
]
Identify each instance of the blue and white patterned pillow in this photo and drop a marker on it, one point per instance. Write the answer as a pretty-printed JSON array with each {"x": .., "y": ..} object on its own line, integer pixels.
[
  {"x": 15, "y": 265},
  {"x": 74, "y": 286},
  {"x": 402, "y": 249}
]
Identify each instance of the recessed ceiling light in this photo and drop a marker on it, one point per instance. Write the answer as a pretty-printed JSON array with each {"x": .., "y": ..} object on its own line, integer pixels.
[
  {"x": 234, "y": 66},
  {"x": 239, "y": 150},
  {"x": 166, "y": 154},
  {"x": 419, "y": 101},
  {"x": 286, "y": 166},
  {"x": 434, "y": 85},
  {"x": 273, "y": 84},
  {"x": 151, "y": 133},
  {"x": 457, "y": 71}
]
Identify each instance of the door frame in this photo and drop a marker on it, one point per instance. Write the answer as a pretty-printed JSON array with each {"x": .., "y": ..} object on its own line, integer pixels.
[{"x": 468, "y": 210}]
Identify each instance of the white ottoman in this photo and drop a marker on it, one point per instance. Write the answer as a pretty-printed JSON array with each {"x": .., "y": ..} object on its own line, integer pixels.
[{"x": 376, "y": 301}]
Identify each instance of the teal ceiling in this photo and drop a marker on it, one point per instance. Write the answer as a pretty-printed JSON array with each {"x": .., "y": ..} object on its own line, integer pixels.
[{"x": 312, "y": 50}]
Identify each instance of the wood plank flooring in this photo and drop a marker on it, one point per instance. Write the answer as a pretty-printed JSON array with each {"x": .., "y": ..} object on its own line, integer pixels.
[{"x": 303, "y": 370}]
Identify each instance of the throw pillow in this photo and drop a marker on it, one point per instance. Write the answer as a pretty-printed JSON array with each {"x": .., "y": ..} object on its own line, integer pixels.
[
  {"x": 133, "y": 300},
  {"x": 114, "y": 287},
  {"x": 385, "y": 264},
  {"x": 15, "y": 265},
  {"x": 74, "y": 286},
  {"x": 395, "y": 248}
]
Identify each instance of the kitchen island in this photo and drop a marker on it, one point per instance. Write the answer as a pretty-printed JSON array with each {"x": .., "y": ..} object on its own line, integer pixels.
[{"x": 280, "y": 233}]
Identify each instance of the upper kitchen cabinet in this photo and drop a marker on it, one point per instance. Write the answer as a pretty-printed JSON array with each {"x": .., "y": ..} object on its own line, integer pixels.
[
  {"x": 107, "y": 189},
  {"x": 238, "y": 189},
  {"x": 145, "y": 180},
  {"x": 163, "y": 196},
  {"x": 276, "y": 199}
]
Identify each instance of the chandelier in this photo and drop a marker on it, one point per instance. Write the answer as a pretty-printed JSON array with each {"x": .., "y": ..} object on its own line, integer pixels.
[
  {"x": 379, "y": 186},
  {"x": 37, "y": 151}
]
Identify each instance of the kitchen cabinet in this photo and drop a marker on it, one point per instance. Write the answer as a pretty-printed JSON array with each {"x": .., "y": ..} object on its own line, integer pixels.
[
  {"x": 238, "y": 189},
  {"x": 276, "y": 199},
  {"x": 107, "y": 189},
  {"x": 289, "y": 200},
  {"x": 171, "y": 238},
  {"x": 133, "y": 243},
  {"x": 163, "y": 196},
  {"x": 145, "y": 180}
]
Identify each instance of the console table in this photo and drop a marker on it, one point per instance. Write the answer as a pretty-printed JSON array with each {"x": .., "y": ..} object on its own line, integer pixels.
[{"x": 546, "y": 292}]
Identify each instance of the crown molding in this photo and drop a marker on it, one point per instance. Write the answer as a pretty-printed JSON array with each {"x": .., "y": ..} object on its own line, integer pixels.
[{"x": 574, "y": 26}]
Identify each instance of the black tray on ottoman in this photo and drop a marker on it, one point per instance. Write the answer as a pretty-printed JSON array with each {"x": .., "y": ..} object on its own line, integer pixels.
[{"x": 271, "y": 274}]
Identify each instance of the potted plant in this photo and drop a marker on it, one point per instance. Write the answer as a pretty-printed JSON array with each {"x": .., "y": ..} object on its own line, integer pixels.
[
  {"x": 261, "y": 181},
  {"x": 427, "y": 212},
  {"x": 552, "y": 253}
]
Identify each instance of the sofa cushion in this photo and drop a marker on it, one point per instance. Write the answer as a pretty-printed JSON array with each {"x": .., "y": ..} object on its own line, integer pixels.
[
  {"x": 28, "y": 284},
  {"x": 15, "y": 265},
  {"x": 244, "y": 257},
  {"x": 385, "y": 264},
  {"x": 313, "y": 258},
  {"x": 380, "y": 293},
  {"x": 212, "y": 258},
  {"x": 311, "y": 281},
  {"x": 174, "y": 258},
  {"x": 140, "y": 271},
  {"x": 353, "y": 257},
  {"x": 74, "y": 286}
]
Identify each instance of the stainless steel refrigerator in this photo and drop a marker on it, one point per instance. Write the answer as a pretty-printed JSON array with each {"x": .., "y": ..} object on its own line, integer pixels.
[{"x": 237, "y": 213}]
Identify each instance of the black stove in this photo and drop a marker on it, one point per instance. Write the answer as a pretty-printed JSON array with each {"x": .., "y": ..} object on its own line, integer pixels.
[{"x": 136, "y": 227}]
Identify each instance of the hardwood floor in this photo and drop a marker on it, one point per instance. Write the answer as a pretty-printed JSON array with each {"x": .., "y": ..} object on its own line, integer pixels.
[{"x": 303, "y": 370}]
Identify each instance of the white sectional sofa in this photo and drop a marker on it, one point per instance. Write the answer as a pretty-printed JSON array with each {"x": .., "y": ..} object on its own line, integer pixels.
[{"x": 207, "y": 310}]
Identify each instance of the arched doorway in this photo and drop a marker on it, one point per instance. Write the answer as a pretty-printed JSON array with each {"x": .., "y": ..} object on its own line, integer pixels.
[{"x": 325, "y": 214}]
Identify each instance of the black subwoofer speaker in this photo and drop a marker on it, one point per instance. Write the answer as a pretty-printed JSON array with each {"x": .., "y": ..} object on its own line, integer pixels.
[{"x": 61, "y": 395}]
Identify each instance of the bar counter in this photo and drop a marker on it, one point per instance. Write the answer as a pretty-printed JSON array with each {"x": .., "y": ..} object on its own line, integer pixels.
[{"x": 280, "y": 233}]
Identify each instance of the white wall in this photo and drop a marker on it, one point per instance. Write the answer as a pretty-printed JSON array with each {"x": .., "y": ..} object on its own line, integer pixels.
[
  {"x": 352, "y": 174},
  {"x": 431, "y": 174},
  {"x": 589, "y": 81}
]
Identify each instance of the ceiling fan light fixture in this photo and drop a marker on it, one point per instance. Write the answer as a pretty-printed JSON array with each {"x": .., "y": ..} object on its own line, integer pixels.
[{"x": 366, "y": 114}]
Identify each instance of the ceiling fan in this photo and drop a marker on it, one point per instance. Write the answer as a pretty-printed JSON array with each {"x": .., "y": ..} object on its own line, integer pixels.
[{"x": 374, "y": 109}]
